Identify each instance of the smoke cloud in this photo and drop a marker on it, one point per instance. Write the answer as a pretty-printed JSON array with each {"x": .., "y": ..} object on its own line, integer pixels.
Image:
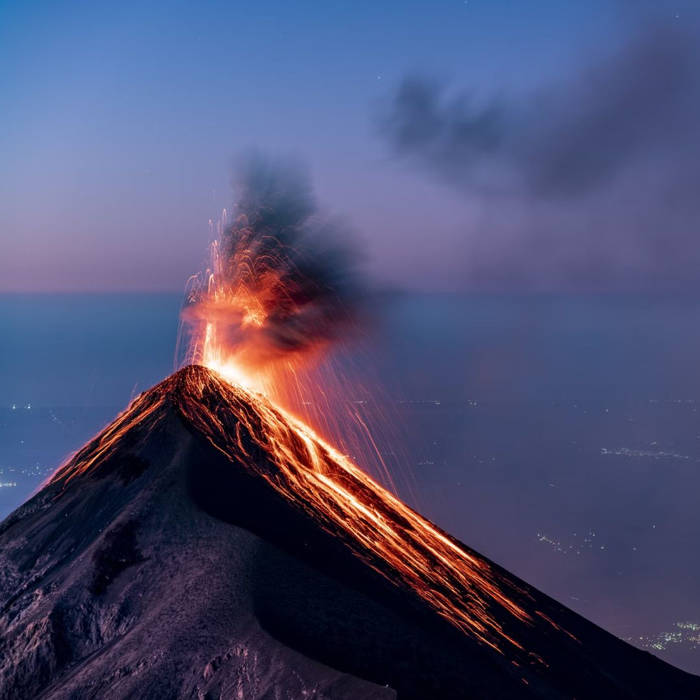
[
  {"x": 586, "y": 183},
  {"x": 284, "y": 279}
]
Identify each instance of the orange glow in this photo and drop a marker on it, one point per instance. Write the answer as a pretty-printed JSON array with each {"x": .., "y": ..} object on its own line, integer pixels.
[
  {"x": 231, "y": 324},
  {"x": 231, "y": 314}
]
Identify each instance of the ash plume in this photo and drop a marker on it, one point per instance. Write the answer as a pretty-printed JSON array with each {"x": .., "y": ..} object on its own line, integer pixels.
[{"x": 285, "y": 279}]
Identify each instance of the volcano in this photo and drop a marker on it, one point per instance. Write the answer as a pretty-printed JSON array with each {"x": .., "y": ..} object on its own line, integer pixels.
[{"x": 208, "y": 545}]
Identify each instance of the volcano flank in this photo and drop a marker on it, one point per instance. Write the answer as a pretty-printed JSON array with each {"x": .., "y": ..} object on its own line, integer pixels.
[{"x": 208, "y": 545}]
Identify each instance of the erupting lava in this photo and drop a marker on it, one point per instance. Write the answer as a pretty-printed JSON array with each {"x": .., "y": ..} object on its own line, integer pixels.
[
  {"x": 279, "y": 292},
  {"x": 279, "y": 289}
]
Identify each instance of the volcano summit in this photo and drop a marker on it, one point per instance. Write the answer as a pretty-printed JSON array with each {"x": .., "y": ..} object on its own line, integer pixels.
[{"x": 208, "y": 545}]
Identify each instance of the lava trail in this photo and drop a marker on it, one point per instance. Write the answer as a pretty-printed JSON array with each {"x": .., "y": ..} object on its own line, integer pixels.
[{"x": 389, "y": 536}]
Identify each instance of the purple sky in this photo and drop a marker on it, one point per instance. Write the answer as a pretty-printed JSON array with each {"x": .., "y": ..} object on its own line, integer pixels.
[{"x": 556, "y": 142}]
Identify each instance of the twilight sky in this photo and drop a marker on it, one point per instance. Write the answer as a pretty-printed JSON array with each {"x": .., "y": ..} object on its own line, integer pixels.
[{"x": 481, "y": 144}]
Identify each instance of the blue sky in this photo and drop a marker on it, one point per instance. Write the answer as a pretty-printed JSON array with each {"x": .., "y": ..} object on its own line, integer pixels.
[{"x": 119, "y": 121}]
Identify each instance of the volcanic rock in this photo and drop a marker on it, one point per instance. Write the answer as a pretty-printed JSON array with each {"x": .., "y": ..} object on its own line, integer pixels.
[{"x": 179, "y": 555}]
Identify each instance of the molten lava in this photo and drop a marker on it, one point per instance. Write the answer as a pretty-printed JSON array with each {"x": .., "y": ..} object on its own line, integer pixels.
[
  {"x": 378, "y": 528},
  {"x": 313, "y": 475},
  {"x": 279, "y": 290}
]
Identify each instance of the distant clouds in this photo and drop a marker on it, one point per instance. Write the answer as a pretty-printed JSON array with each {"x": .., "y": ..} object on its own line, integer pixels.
[{"x": 592, "y": 182}]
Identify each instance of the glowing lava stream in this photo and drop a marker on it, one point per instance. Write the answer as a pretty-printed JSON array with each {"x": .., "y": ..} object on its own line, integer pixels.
[
  {"x": 329, "y": 486},
  {"x": 398, "y": 543}
]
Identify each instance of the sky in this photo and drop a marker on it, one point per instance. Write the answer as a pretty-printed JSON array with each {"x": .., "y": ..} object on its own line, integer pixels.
[{"x": 482, "y": 144}]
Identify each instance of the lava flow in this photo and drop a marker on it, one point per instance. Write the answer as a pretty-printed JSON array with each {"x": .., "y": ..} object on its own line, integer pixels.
[
  {"x": 310, "y": 474},
  {"x": 377, "y": 526}
]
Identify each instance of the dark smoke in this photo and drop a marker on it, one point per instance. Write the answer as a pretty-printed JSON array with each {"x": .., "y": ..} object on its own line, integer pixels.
[
  {"x": 566, "y": 140},
  {"x": 587, "y": 183},
  {"x": 297, "y": 262}
]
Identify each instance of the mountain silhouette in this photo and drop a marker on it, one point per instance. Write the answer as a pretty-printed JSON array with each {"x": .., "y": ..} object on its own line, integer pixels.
[{"x": 208, "y": 545}]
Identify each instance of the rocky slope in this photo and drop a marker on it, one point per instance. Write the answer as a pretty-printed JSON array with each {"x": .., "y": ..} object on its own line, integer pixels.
[{"x": 178, "y": 555}]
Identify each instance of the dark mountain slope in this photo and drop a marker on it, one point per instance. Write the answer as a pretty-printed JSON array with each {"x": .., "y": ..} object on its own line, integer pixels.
[{"x": 204, "y": 545}]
